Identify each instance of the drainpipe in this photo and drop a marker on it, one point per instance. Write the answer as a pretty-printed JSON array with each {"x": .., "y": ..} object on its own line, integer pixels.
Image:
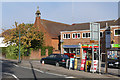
[{"x": 61, "y": 43}]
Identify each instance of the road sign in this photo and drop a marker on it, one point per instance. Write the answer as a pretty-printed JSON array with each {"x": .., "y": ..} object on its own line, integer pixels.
[
  {"x": 94, "y": 28},
  {"x": 95, "y": 36}
]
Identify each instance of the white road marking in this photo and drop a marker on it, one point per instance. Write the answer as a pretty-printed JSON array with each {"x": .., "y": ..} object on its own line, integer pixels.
[
  {"x": 39, "y": 70},
  {"x": 28, "y": 68},
  {"x": 45, "y": 72},
  {"x": 11, "y": 75},
  {"x": 70, "y": 77},
  {"x": 15, "y": 65},
  {"x": 25, "y": 67},
  {"x": 55, "y": 74}
]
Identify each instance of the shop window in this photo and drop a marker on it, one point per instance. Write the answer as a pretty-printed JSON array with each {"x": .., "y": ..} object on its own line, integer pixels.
[
  {"x": 86, "y": 35},
  {"x": 66, "y": 36},
  {"x": 76, "y": 35},
  {"x": 66, "y": 50},
  {"x": 72, "y": 50},
  {"x": 117, "y": 32},
  {"x": 78, "y": 51}
]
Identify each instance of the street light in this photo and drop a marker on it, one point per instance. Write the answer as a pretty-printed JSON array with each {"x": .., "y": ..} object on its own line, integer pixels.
[{"x": 19, "y": 61}]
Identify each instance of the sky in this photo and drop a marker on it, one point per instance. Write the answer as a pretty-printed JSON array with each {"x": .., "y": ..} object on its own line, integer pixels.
[{"x": 64, "y": 12}]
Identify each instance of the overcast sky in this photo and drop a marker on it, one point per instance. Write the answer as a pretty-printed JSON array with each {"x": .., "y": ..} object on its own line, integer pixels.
[{"x": 64, "y": 12}]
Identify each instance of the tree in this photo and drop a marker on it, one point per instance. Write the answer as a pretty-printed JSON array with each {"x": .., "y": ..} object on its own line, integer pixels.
[{"x": 31, "y": 37}]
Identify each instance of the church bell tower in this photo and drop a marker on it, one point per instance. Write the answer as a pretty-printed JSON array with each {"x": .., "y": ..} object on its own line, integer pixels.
[{"x": 38, "y": 12}]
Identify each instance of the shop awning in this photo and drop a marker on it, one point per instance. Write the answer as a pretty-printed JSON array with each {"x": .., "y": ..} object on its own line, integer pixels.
[{"x": 71, "y": 46}]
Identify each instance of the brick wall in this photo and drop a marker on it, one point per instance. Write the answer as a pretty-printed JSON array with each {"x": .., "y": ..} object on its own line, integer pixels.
[
  {"x": 37, "y": 54},
  {"x": 55, "y": 44},
  {"x": 116, "y": 38},
  {"x": 82, "y": 40}
]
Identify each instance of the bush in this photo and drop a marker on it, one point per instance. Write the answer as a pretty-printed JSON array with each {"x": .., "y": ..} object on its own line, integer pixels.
[
  {"x": 50, "y": 50},
  {"x": 43, "y": 51},
  {"x": 4, "y": 50},
  {"x": 12, "y": 51}
]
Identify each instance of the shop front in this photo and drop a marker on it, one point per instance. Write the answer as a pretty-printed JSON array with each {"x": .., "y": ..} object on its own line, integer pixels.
[
  {"x": 87, "y": 56},
  {"x": 88, "y": 50},
  {"x": 72, "y": 49},
  {"x": 113, "y": 55}
]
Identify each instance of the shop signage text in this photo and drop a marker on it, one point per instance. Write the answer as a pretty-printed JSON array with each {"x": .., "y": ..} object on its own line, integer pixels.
[
  {"x": 115, "y": 45},
  {"x": 90, "y": 46}
]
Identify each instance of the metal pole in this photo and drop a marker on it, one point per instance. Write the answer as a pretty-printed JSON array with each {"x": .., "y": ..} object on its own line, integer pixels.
[
  {"x": 106, "y": 66},
  {"x": 61, "y": 47},
  {"x": 93, "y": 56},
  {"x": 99, "y": 52},
  {"x": 19, "y": 48},
  {"x": 61, "y": 42}
]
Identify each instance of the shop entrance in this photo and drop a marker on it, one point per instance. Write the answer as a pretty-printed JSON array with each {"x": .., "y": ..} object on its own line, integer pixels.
[{"x": 89, "y": 53}]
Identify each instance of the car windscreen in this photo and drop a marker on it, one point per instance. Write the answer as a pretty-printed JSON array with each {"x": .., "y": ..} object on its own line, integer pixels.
[{"x": 52, "y": 56}]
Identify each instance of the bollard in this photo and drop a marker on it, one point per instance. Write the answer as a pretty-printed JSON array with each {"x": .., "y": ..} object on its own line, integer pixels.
[
  {"x": 67, "y": 63},
  {"x": 43, "y": 62},
  {"x": 75, "y": 63}
]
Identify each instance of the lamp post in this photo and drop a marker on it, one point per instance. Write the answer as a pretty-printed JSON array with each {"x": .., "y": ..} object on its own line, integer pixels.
[{"x": 19, "y": 61}]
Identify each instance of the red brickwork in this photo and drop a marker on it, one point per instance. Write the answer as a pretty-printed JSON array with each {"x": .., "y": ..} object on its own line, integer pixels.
[
  {"x": 46, "y": 52},
  {"x": 35, "y": 54},
  {"x": 116, "y": 38}
]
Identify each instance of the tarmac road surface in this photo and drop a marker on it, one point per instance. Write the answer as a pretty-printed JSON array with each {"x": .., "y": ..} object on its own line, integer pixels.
[{"x": 10, "y": 70}]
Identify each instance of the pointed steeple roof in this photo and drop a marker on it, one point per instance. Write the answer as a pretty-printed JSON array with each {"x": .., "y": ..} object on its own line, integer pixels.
[{"x": 38, "y": 12}]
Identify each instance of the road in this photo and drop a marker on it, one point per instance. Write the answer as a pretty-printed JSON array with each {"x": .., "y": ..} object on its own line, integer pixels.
[{"x": 10, "y": 70}]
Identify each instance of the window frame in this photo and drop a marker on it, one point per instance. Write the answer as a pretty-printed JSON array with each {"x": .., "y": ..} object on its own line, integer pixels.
[
  {"x": 66, "y": 36},
  {"x": 77, "y": 35},
  {"x": 114, "y": 32},
  {"x": 82, "y": 35},
  {"x": 85, "y": 35}
]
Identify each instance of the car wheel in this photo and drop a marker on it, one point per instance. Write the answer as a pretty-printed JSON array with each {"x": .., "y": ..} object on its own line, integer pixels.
[{"x": 57, "y": 64}]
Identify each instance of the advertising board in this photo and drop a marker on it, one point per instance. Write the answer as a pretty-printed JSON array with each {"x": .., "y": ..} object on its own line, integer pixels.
[
  {"x": 95, "y": 66},
  {"x": 112, "y": 54}
]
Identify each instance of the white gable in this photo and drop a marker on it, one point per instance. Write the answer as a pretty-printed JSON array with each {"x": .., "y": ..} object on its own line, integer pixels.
[{"x": 2, "y": 44}]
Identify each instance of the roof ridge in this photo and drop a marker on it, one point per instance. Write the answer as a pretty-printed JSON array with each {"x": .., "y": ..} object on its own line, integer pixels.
[
  {"x": 95, "y": 21},
  {"x": 55, "y": 22}
]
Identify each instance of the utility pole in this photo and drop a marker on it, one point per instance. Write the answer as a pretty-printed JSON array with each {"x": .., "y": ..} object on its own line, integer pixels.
[
  {"x": 93, "y": 57},
  {"x": 106, "y": 66},
  {"x": 99, "y": 52},
  {"x": 19, "y": 61}
]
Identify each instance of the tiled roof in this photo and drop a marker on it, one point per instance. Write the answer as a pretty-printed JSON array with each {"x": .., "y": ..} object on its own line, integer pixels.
[{"x": 54, "y": 28}]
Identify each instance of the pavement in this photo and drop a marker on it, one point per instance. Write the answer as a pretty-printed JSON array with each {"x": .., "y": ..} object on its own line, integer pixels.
[{"x": 62, "y": 71}]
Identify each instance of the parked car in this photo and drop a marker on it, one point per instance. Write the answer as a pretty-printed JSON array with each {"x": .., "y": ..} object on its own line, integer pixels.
[
  {"x": 113, "y": 64},
  {"x": 56, "y": 59}
]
